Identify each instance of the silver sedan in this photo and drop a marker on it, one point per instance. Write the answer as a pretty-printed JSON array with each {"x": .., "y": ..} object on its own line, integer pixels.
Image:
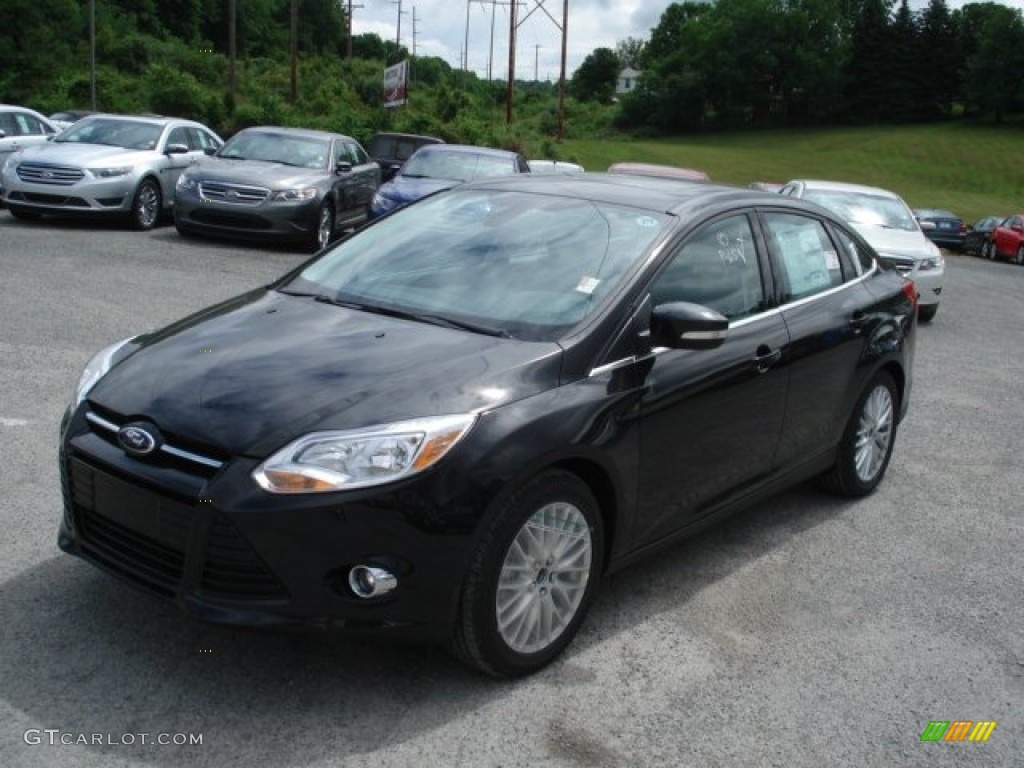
[{"x": 106, "y": 164}]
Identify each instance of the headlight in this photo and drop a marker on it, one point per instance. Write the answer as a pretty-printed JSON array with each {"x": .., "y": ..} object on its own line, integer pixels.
[
  {"x": 186, "y": 182},
  {"x": 107, "y": 173},
  {"x": 382, "y": 203},
  {"x": 932, "y": 262},
  {"x": 96, "y": 368},
  {"x": 358, "y": 458},
  {"x": 293, "y": 195}
]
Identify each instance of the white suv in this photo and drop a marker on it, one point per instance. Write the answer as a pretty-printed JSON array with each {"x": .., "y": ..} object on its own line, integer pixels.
[{"x": 886, "y": 222}]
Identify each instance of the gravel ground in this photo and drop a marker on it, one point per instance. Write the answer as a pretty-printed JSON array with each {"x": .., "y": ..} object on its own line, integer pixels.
[{"x": 806, "y": 632}]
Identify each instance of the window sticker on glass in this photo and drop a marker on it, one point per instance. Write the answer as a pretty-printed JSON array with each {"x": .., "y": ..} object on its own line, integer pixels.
[
  {"x": 588, "y": 285},
  {"x": 832, "y": 260}
]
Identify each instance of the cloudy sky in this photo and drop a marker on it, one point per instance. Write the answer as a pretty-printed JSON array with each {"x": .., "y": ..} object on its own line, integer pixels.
[{"x": 441, "y": 29}]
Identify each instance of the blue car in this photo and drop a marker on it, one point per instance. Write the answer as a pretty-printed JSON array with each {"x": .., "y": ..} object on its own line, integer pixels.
[{"x": 440, "y": 166}]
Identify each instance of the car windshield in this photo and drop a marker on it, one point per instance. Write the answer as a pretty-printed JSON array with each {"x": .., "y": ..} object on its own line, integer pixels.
[
  {"x": 113, "y": 132},
  {"x": 517, "y": 264},
  {"x": 457, "y": 166},
  {"x": 864, "y": 208},
  {"x": 298, "y": 151}
]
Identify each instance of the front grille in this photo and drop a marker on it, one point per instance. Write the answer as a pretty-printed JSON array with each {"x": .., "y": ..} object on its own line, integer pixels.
[
  {"x": 233, "y": 569},
  {"x": 35, "y": 197},
  {"x": 42, "y": 173},
  {"x": 232, "y": 193}
]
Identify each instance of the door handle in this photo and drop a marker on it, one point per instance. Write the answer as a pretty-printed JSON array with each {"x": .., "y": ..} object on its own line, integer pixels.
[{"x": 766, "y": 357}]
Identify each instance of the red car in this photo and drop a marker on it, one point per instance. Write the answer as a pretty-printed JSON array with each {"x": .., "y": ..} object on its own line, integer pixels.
[{"x": 1007, "y": 240}]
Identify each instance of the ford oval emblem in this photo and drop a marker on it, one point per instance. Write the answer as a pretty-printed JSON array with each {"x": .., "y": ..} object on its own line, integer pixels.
[{"x": 136, "y": 440}]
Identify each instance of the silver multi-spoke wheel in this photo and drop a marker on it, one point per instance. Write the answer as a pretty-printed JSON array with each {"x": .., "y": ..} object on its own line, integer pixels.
[
  {"x": 147, "y": 205},
  {"x": 874, "y": 433},
  {"x": 325, "y": 228},
  {"x": 543, "y": 578}
]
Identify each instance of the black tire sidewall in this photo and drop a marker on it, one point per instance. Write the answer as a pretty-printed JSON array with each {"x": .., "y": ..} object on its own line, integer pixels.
[
  {"x": 848, "y": 449},
  {"x": 479, "y": 601},
  {"x": 137, "y": 224}
]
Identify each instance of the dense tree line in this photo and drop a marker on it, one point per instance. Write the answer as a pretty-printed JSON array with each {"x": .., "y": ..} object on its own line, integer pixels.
[{"x": 737, "y": 62}]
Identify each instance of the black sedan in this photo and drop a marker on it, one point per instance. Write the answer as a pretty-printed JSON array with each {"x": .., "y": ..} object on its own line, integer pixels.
[
  {"x": 944, "y": 228},
  {"x": 976, "y": 239},
  {"x": 453, "y": 423}
]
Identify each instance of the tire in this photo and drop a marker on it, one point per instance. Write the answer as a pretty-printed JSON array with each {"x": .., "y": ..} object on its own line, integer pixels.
[
  {"x": 525, "y": 595},
  {"x": 993, "y": 254},
  {"x": 324, "y": 228},
  {"x": 146, "y": 206},
  {"x": 1020, "y": 255},
  {"x": 866, "y": 445},
  {"x": 927, "y": 314},
  {"x": 23, "y": 214}
]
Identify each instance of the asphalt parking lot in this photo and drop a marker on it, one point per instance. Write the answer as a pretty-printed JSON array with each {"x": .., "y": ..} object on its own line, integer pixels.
[{"x": 807, "y": 632}]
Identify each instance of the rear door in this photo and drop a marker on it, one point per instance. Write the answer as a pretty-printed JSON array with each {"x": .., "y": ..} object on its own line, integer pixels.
[
  {"x": 354, "y": 189},
  {"x": 828, "y": 313},
  {"x": 710, "y": 420}
]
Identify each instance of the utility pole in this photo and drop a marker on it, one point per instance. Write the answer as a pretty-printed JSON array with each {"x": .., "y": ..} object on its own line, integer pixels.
[
  {"x": 92, "y": 52},
  {"x": 232, "y": 51},
  {"x": 398, "y": 35},
  {"x": 511, "y": 61},
  {"x": 415, "y": 18},
  {"x": 348, "y": 48},
  {"x": 295, "y": 50},
  {"x": 465, "y": 45},
  {"x": 536, "y": 56},
  {"x": 561, "y": 78}
]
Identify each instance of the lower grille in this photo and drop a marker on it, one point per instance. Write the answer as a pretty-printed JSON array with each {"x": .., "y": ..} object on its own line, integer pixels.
[
  {"x": 132, "y": 555},
  {"x": 204, "y": 216},
  {"x": 36, "y": 197},
  {"x": 234, "y": 569}
]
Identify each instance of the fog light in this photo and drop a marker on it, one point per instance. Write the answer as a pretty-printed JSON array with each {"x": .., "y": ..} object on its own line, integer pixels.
[{"x": 368, "y": 581}]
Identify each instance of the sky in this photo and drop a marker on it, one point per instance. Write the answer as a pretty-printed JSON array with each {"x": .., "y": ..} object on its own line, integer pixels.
[{"x": 441, "y": 30}]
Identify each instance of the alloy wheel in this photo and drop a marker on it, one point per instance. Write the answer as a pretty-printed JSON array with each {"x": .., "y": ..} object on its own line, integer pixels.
[{"x": 874, "y": 433}]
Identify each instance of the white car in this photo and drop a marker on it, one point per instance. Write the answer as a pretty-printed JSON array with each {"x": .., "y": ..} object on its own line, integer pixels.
[
  {"x": 887, "y": 223},
  {"x": 21, "y": 127}
]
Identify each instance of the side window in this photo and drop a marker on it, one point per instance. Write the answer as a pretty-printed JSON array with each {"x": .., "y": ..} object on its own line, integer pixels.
[
  {"x": 198, "y": 139},
  {"x": 806, "y": 255},
  {"x": 28, "y": 125},
  {"x": 861, "y": 259},
  {"x": 716, "y": 267},
  {"x": 177, "y": 136},
  {"x": 359, "y": 155},
  {"x": 7, "y": 124}
]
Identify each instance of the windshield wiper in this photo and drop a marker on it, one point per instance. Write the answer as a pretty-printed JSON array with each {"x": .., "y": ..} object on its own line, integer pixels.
[{"x": 404, "y": 314}]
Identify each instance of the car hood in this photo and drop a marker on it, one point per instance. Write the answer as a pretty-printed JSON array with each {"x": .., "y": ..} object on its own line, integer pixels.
[
  {"x": 85, "y": 155},
  {"x": 896, "y": 242},
  {"x": 256, "y": 172},
  {"x": 403, "y": 189},
  {"x": 249, "y": 375}
]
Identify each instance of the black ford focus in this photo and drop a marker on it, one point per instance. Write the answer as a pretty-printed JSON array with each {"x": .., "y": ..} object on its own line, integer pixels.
[{"x": 453, "y": 423}]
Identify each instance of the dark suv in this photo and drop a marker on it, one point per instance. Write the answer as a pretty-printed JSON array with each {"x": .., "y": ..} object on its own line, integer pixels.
[{"x": 391, "y": 150}]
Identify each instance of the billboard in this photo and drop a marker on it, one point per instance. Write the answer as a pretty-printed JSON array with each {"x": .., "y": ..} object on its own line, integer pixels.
[{"x": 396, "y": 83}]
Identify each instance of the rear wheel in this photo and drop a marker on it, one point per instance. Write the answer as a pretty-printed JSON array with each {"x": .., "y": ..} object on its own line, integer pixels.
[
  {"x": 533, "y": 577},
  {"x": 1020, "y": 255},
  {"x": 993, "y": 254},
  {"x": 324, "y": 227},
  {"x": 867, "y": 442},
  {"x": 146, "y": 206}
]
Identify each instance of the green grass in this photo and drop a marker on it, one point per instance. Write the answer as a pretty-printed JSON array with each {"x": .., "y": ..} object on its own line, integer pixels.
[{"x": 973, "y": 169}]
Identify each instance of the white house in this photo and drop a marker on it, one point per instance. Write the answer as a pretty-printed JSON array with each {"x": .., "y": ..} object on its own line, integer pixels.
[{"x": 627, "y": 80}]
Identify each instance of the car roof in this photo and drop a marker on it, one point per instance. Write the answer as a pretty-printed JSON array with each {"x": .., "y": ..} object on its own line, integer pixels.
[
  {"x": 657, "y": 169},
  {"x": 467, "y": 149},
  {"x": 307, "y": 133},
  {"x": 416, "y": 136},
  {"x": 842, "y": 186},
  {"x": 676, "y": 196}
]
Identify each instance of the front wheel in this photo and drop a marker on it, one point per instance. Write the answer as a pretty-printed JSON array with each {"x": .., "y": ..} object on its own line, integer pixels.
[
  {"x": 533, "y": 577},
  {"x": 926, "y": 314},
  {"x": 146, "y": 206},
  {"x": 324, "y": 227},
  {"x": 23, "y": 214},
  {"x": 867, "y": 441},
  {"x": 993, "y": 254},
  {"x": 1020, "y": 255}
]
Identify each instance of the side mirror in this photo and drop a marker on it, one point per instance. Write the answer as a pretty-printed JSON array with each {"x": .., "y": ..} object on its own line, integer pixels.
[
  {"x": 209, "y": 150},
  {"x": 3, "y": 133},
  {"x": 682, "y": 325},
  {"x": 343, "y": 166},
  {"x": 176, "y": 149}
]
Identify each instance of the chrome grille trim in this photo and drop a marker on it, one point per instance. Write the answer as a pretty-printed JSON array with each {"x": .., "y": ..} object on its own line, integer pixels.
[
  {"x": 238, "y": 194},
  {"x": 170, "y": 450},
  {"x": 43, "y": 173}
]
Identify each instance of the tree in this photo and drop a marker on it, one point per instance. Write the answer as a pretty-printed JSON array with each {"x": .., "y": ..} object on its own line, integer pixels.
[
  {"x": 994, "y": 77},
  {"x": 595, "y": 79},
  {"x": 867, "y": 73},
  {"x": 630, "y": 52}
]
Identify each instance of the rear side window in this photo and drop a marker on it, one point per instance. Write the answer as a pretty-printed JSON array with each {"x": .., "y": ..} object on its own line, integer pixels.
[
  {"x": 808, "y": 260},
  {"x": 861, "y": 258}
]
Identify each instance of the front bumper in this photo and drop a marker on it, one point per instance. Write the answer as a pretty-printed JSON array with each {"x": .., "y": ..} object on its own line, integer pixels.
[
  {"x": 929, "y": 284},
  {"x": 87, "y": 195},
  {"x": 210, "y": 540},
  {"x": 278, "y": 221}
]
